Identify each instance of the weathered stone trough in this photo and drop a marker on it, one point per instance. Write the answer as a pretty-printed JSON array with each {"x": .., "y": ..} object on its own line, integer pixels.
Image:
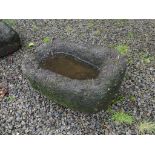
[{"x": 79, "y": 77}]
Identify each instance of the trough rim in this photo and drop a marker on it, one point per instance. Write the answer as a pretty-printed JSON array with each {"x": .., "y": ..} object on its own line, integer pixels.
[{"x": 46, "y": 74}]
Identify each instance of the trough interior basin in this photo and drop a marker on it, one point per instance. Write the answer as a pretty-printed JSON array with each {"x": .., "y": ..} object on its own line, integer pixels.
[{"x": 70, "y": 66}]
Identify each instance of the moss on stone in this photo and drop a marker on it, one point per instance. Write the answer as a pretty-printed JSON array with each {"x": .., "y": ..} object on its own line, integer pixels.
[
  {"x": 10, "y": 22},
  {"x": 59, "y": 99},
  {"x": 49, "y": 94}
]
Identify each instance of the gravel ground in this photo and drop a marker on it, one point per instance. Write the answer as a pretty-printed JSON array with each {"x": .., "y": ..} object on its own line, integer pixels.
[{"x": 25, "y": 111}]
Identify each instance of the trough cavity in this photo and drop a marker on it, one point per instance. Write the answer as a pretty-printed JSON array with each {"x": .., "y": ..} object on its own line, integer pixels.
[{"x": 70, "y": 66}]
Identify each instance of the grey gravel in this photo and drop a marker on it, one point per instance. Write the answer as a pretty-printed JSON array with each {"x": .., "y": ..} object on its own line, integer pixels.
[{"x": 25, "y": 111}]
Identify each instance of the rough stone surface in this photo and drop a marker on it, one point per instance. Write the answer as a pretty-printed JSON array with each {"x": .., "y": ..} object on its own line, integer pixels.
[
  {"x": 9, "y": 40},
  {"x": 91, "y": 95}
]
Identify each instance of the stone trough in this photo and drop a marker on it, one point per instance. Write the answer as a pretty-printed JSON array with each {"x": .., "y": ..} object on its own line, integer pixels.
[{"x": 80, "y": 77}]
